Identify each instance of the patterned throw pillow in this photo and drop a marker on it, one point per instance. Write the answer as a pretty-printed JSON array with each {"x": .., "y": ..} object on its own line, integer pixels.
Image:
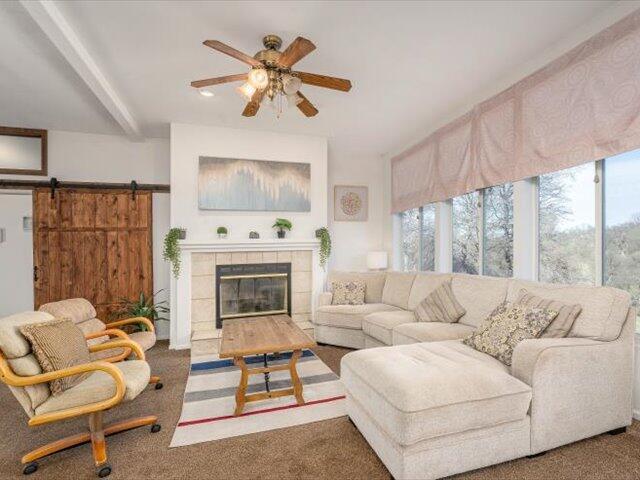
[
  {"x": 58, "y": 344},
  {"x": 348, "y": 293},
  {"x": 562, "y": 324},
  {"x": 507, "y": 326},
  {"x": 440, "y": 305}
]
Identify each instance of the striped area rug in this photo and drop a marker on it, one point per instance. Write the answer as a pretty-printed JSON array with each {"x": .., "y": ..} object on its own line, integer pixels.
[{"x": 209, "y": 399}]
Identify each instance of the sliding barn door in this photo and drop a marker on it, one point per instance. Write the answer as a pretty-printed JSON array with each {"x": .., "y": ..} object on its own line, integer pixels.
[{"x": 94, "y": 244}]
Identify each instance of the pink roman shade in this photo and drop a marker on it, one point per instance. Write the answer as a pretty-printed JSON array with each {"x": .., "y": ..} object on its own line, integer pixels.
[{"x": 582, "y": 107}]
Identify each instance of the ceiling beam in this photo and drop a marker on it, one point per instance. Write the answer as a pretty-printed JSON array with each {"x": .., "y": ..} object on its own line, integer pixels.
[{"x": 49, "y": 18}]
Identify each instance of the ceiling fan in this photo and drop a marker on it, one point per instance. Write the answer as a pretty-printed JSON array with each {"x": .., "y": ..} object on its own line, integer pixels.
[{"x": 271, "y": 76}]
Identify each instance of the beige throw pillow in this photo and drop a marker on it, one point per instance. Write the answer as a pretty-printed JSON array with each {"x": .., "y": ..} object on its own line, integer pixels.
[
  {"x": 507, "y": 326},
  {"x": 348, "y": 293},
  {"x": 561, "y": 325},
  {"x": 56, "y": 345},
  {"x": 440, "y": 305}
]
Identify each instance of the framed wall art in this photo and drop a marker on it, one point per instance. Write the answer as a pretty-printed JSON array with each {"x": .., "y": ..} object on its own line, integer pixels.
[{"x": 350, "y": 203}]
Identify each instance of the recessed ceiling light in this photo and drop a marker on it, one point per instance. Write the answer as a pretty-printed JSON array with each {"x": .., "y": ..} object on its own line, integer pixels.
[{"x": 206, "y": 93}]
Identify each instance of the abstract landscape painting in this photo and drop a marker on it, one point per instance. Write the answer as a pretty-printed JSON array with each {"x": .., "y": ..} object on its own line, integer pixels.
[{"x": 253, "y": 185}]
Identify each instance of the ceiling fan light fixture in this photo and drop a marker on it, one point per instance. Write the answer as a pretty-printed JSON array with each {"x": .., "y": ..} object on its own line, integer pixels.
[
  {"x": 246, "y": 90},
  {"x": 290, "y": 84},
  {"x": 206, "y": 93},
  {"x": 258, "y": 78},
  {"x": 294, "y": 100}
]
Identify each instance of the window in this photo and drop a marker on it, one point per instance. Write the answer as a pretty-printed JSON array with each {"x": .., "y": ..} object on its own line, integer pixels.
[
  {"x": 621, "y": 259},
  {"x": 410, "y": 225},
  {"x": 566, "y": 215},
  {"x": 428, "y": 246},
  {"x": 466, "y": 241},
  {"x": 497, "y": 244}
]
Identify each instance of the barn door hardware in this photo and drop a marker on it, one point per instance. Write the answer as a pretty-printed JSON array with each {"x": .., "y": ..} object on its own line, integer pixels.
[
  {"x": 54, "y": 184},
  {"x": 134, "y": 187}
]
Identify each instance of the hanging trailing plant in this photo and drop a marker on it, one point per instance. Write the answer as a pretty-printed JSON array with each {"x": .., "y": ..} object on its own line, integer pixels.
[
  {"x": 325, "y": 245},
  {"x": 171, "y": 252}
]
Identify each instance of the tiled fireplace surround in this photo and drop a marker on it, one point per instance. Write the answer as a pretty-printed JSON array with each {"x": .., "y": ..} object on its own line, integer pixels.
[{"x": 199, "y": 264}]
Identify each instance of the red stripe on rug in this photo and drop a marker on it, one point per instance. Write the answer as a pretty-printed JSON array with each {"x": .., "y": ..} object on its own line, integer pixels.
[{"x": 255, "y": 412}]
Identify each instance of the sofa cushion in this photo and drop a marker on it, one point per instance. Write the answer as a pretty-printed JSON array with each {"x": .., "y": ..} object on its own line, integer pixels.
[
  {"x": 604, "y": 309},
  {"x": 101, "y": 386},
  {"x": 348, "y": 316},
  {"x": 12, "y": 342},
  {"x": 563, "y": 322},
  {"x": 348, "y": 293},
  {"x": 423, "y": 285},
  {"x": 508, "y": 325},
  {"x": 76, "y": 309},
  {"x": 380, "y": 325},
  {"x": 429, "y": 332},
  {"x": 397, "y": 289},
  {"x": 440, "y": 305},
  {"x": 479, "y": 295},
  {"x": 427, "y": 390},
  {"x": 374, "y": 282}
]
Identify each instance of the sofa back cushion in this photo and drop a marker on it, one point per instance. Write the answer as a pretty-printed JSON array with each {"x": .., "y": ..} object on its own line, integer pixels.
[
  {"x": 397, "y": 289},
  {"x": 478, "y": 295},
  {"x": 604, "y": 309},
  {"x": 424, "y": 284},
  {"x": 374, "y": 283}
]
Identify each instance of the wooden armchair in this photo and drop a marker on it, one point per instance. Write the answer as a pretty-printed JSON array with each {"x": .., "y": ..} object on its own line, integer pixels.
[
  {"x": 110, "y": 383},
  {"x": 84, "y": 315}
]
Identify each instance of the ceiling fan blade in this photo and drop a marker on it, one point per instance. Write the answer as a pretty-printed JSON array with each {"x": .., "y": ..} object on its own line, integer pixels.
[
  {"x": 218, "y": 80},
  {"x": 254, "y": 104},
  {"x": 324, "y": 81},
  {"x": 232, "y": 52},
  {"x": 299, "y": 48},
  {"x": 306, "y": 106}
]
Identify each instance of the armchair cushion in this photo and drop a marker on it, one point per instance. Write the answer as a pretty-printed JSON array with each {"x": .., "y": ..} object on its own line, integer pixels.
[
  {"x": 76, "y": 309},
  {"x": 101, "y": 386},
  {"x": 12, "y": 342},
  {"x": 58, "y": 344},
  {"x": 145, "y": 339}
]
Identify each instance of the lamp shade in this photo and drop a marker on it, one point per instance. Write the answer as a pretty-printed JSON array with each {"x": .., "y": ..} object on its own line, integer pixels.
[{"x": 377, "y": 260}]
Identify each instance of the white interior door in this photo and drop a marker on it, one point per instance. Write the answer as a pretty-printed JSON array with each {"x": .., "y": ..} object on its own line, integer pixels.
[{"x": 16, "y": 253}]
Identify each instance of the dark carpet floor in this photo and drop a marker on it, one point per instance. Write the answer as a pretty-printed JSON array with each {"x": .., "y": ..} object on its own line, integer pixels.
[{"x": 331, "y": 449}]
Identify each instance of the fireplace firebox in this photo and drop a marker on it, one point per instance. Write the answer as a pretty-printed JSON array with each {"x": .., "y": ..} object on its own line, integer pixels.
[{"x": 247, "y": 290}]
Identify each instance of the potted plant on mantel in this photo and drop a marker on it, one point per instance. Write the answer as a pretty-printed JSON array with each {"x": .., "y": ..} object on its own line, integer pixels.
[
  {"x": 282, "y": 224},
  {"x": 222, "y": 232}
]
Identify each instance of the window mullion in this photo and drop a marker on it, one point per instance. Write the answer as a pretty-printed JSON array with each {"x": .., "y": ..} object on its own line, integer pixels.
[
  {"x": 480, "y": 226},
  {"x": 420, "y": 239},
  {"x": 599, "y": 222}
]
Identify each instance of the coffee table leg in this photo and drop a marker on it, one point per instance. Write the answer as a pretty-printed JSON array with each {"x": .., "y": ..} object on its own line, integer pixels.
[
  {"x": 295, "y": 380},
  {"x": 242, "y": 388}
]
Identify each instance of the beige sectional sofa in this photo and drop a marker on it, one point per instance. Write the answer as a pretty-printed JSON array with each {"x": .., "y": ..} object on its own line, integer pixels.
[{"x": 431, "y": 406}]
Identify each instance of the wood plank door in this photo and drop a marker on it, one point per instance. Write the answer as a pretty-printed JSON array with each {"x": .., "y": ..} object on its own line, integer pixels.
[{"x": 94, "y": 244}]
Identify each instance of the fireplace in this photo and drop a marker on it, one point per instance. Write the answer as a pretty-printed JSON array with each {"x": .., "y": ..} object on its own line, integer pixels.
[{"x": 247, "y": 290}]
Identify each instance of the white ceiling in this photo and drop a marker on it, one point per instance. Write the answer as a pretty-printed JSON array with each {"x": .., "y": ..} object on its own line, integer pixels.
[{"x": 410, "y": 63}]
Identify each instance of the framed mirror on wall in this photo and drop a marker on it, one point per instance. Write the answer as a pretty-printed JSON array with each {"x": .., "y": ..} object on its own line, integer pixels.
[{"x": 23, "y": 151}]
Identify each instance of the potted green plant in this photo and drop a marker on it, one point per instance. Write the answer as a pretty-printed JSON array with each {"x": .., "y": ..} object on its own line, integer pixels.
[
  {"x": 325, "y": 245},
  {"x": 171, "y": 251},
  {"x": 222, "y": 232},
  {"x": 144, "y": 307},
  {"x": 282, "y": 224}
]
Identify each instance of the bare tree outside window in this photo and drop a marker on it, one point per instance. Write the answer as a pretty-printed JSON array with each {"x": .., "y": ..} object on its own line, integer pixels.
[
  {"x": 410, "y": 226},
  {"x": 567, "y": 226},
  {"x": 466, "y": 241},
  {"x": 429, "y": 237},
  {"x": 498, "y": 230},
  {"x": 621, "y": 267}
]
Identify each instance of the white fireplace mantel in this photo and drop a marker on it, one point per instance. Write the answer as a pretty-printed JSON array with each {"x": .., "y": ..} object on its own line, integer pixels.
[
  {"x": 259, "y": 244},
  {"x": 180, "y": 329}
]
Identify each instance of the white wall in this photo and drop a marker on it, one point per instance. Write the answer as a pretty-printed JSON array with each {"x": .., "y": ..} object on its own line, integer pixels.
[
  {"x": 16, "y": 254},
  {"x": 111, "y": 158},
  {"x": 189, "y": 142},
  {"x": 352, "y": 240}
]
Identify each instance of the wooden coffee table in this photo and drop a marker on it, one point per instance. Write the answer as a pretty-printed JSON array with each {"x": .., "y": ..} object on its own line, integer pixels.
[{"x": 260, "y": 336}]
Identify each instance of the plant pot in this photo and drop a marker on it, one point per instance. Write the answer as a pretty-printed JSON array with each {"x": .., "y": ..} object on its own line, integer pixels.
[
  {"x": 281, "y": 233},
  {"x": 182, "y": 235},
  {"x": 222, "y": 235}
]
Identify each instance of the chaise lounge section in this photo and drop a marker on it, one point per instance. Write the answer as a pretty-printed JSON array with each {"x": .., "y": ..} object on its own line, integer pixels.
[{"x": 431, "y": 406}]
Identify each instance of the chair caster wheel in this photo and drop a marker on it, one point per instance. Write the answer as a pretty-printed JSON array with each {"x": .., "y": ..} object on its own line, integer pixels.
[
  {"x": 159, "y": 386},
  {"x": 30, "y": 468},
  {"x": 104, "y": 470},
  {"x": 156, "y": 427}
]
